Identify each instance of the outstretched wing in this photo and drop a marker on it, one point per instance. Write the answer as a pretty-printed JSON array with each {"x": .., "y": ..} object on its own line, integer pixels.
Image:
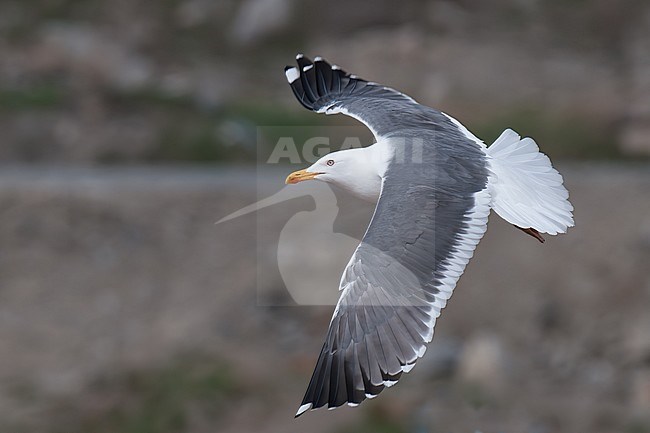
[
  {"x": 387, "y": 311},
  {"x": 430, "y": 216},
  {"x": 328, "y": 89}
]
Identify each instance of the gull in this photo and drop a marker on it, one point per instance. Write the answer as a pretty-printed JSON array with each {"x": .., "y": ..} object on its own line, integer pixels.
[{"x": 434, "y": 184}]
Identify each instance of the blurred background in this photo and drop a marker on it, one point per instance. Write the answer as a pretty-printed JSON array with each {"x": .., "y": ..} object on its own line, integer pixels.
[{"x": 127, "y": 128}]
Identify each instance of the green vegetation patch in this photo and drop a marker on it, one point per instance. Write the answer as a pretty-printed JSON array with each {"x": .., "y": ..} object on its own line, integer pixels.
[
  {"x": 162, "y": 400},
  {"x": 559, "y": 135},
  {"x": 35, "y": 97},
  {"x": 377, "y": 421}
]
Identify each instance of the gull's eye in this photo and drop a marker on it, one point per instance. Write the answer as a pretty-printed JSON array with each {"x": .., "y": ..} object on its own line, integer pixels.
[{"x": 330, "y": 162}]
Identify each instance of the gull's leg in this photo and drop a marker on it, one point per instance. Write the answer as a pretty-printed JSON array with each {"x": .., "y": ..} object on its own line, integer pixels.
[{"x": 532, "y": 232}]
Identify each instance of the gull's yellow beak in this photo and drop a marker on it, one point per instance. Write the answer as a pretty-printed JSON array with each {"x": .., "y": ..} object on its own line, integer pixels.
[{"x": 300, "y": 175}]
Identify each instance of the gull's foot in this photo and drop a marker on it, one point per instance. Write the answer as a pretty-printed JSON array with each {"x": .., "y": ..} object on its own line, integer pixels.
[{"x": 534, "y": 233}]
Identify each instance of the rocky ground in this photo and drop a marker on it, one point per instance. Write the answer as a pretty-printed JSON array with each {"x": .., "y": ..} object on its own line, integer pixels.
[{"x": 124, "y": 308}]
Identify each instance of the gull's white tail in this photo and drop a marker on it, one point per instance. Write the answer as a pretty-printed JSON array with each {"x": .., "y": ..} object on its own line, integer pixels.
[{"x": 526, "y": 190}]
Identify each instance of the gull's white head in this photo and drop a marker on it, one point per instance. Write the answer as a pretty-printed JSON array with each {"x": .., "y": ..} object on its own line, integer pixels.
[{"x": 353, "y": 170}]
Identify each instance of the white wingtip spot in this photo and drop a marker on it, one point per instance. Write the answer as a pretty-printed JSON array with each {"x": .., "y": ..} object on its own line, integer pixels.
[
  {"x": 408, "y": 367},
  {"x": 318, "y": 59},
  {"x": 370, "y": 396},
  {"x": 389, "y": 383},
  {"x": 299, "y": 56},
  {"x": 421, "y": 351},
  {"x": 292, "y": 74},
  {"x": 304, "y": 408},
  {"x": 336, "y": 67},
  {"x": 351, "y": 404},
  {"x": 308, "y": 67}
]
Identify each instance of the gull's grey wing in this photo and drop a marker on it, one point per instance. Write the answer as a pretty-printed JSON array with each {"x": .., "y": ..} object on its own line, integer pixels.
[
  {"x": 431, "y": 214},
  {"x": 328, "y": 89}
]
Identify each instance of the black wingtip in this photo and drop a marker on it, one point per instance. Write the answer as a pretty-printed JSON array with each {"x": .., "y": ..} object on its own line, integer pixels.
[{"x": 315, "y": 83}]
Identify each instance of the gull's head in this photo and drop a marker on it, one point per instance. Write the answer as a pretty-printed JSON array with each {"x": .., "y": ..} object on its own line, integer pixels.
[
  {"x": 351, "y": 169},
  {"x": 329, "y": 168}
]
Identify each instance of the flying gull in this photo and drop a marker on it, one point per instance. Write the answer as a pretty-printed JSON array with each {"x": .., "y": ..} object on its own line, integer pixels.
[{"x": 434, "y": 183}]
